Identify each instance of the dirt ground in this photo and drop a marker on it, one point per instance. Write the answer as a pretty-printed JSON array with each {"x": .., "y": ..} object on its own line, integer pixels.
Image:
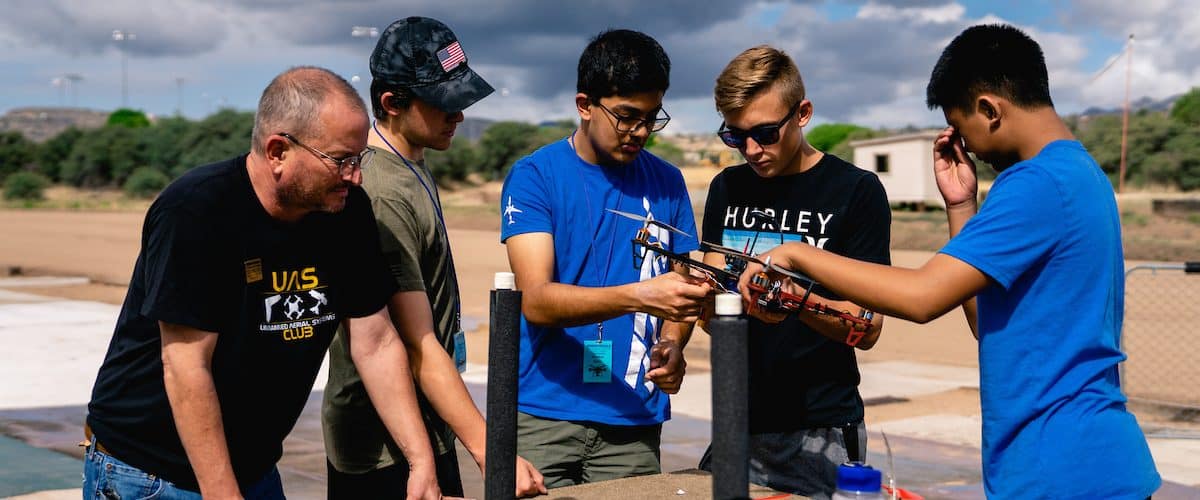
[{"x": 103, "y": 245}]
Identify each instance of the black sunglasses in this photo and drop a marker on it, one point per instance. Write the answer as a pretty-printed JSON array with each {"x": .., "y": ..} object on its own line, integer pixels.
[{"x": 764, "y": 135}]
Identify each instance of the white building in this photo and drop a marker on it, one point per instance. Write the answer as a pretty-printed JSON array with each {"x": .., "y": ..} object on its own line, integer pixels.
[{"x": 904, "y": 164}]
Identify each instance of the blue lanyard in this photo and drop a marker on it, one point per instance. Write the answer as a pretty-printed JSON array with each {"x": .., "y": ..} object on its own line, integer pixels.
[
  {"x": 587, "y": 196},
  {"x": 437, "y": 207}
]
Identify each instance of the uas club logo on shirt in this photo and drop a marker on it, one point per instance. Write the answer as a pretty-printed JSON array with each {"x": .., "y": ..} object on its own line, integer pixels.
[{"x": 296, "y": 304}]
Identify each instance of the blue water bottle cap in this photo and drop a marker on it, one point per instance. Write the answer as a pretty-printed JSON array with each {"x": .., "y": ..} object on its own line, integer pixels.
[{"x": 858, "y": 477}]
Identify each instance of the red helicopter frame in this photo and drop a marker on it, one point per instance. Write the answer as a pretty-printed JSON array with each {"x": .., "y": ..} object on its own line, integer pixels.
[{"x": 767, "y": 293}]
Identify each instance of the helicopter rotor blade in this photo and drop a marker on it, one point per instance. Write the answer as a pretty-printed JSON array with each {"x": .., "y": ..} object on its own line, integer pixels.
[{"x": 648, "y": 221}]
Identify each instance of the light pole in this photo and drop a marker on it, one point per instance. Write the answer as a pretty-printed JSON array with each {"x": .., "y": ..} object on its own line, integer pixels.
[
  {"x": 73, "y": 80},
  {"x": 367, "y": 32},
  {"x": 122, "y": 38},
  {"x": 179, "y": 90},
  {"x": 364, "y": 32},
  {"x": 59, "y": 83}
]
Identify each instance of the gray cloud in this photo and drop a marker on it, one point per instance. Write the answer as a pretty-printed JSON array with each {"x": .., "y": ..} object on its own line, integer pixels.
[
  {"x": 163, "y": 27},
  {"x": 544, "y": 39},
  {"x": 871, "y": 67}
]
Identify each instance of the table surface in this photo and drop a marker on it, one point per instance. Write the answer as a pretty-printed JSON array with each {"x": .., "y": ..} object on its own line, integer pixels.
[{"x": 684, "y": 484}]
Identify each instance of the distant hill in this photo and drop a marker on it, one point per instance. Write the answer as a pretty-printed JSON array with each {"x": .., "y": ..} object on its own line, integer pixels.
[
  {"x": 472, "y": 128},
  {"x": 1145, "y": 103},
  {"x": 39, "y": 124}
]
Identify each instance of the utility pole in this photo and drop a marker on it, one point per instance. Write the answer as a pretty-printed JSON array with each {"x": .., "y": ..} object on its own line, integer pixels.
[{"x": 1125, "y": 114}]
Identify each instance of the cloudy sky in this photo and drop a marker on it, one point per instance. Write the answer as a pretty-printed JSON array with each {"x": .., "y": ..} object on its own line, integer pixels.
[{"x": 864, "y": 62}]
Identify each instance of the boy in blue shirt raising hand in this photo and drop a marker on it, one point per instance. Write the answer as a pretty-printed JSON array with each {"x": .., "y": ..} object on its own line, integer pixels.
[{"x": 1043, "y": 260}]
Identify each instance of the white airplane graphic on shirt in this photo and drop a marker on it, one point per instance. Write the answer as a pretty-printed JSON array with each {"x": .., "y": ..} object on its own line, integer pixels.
[{"x": 509, "y": 210}]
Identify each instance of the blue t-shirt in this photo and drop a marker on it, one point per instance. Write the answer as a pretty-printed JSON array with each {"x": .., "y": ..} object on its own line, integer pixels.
[
  {"x": 554, "y": 191},
  {"x": 1054, "y": 419}
]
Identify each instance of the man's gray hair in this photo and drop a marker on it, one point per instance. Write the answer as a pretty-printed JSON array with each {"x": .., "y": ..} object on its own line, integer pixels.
[{"x": 292, "y": 103}]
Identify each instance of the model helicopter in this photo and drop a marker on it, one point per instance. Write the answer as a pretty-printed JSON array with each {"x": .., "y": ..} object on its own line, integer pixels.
[
  {"x": 766, "y": 289},
  {"x": 717, "y": 277}
]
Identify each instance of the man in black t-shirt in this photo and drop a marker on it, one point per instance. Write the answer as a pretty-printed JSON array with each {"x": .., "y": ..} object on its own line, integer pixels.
[
  {"x": 246, "y": 269},
  {"x": 806, "y": 415}
]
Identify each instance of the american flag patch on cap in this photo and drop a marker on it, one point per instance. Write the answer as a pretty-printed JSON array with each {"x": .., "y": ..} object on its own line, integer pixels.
[{"x": 451, "y": 56}]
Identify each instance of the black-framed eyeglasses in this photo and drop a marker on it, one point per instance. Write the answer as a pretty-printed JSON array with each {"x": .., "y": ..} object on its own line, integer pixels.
[
  {"x": 345, "y": 164},
  {"x": 629, "y": 124},
  {"x": 764, "y": 135}
]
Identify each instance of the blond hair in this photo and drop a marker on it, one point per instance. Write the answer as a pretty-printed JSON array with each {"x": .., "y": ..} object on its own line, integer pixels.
[{"x": 754, "y": 71}]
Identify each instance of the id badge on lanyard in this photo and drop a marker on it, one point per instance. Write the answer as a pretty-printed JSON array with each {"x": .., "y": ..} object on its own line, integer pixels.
[{"x": 597, "y": 359}]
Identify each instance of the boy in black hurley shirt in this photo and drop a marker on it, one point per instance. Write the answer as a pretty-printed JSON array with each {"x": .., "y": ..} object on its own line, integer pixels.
[{"x": 806, "y": 415}]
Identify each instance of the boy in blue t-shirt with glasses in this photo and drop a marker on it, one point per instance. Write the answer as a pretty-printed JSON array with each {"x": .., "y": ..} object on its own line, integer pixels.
[{"x": 601, "y": 340}]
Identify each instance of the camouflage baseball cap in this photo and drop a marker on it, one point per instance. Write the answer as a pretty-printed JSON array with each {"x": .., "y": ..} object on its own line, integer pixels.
[{"x": 423, "y": 55}]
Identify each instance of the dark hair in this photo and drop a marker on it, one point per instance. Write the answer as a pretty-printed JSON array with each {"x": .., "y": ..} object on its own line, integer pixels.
[
  {"x": 622, "y": 62},
  {"x": 992, "y": 58},
  {"x": 402, "y": 97}
]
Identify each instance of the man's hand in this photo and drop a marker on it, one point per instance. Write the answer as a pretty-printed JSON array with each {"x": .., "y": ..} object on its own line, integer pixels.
[
  {"x": 673, "y": 297},
  {"x": 422, "y": 483},
  {"x": 530, "y": 482},
  {"x": 667, "y": 366},
  {"x": 954, "y": 170}
]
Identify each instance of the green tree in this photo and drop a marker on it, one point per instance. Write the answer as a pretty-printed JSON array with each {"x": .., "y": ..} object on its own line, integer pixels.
[
  {"x": 1178, "y": 162},
  {"x": 1101, "y": 135},
  {"x": 126, "y": 117},
  {"x": 827, "y": 136},
  {"x": 221, "y": 135},
  {"x": 1186, "y": 109},
  {"x": 16, "y": 153},
  {"x": 667, "y": 151},
  {"x": 844, "y": 151},
  {"x": 25, "y": 186},
  {"x": 1187, "y": 145},
  {"x": 102, "y": 157},
  {"x": 455, "y": 163},
  {"x": 145, "y": 182},
  {"x": 163, "y": 144},
  {"x": 1158, "y": 147},
  {"x": 503, "y": 143},
  {"x": 52, "y": 153}
]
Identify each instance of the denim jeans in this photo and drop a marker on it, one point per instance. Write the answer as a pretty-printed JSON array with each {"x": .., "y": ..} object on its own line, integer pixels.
[{"x": 105, "y": 477}]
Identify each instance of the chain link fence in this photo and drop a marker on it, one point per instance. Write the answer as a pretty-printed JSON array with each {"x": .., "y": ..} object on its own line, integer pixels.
[
  {"x": 1161, "y": 376},
  {"x": 1162, "y": 317}
]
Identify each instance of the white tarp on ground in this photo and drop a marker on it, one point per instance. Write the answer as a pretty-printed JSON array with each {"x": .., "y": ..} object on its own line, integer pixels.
[{"x": 52, "y": 350}]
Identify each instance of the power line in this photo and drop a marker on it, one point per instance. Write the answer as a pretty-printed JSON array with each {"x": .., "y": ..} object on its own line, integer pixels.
[{"x": 1124, "y": 52}]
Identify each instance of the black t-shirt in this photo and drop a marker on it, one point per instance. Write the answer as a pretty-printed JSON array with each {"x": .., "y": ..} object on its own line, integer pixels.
[
  {"x": 274, "y": 292},
  {"x": 798, "y": 378}
]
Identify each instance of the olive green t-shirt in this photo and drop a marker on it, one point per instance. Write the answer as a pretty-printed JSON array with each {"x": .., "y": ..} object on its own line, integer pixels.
[{"x": 417, "y": 250}]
